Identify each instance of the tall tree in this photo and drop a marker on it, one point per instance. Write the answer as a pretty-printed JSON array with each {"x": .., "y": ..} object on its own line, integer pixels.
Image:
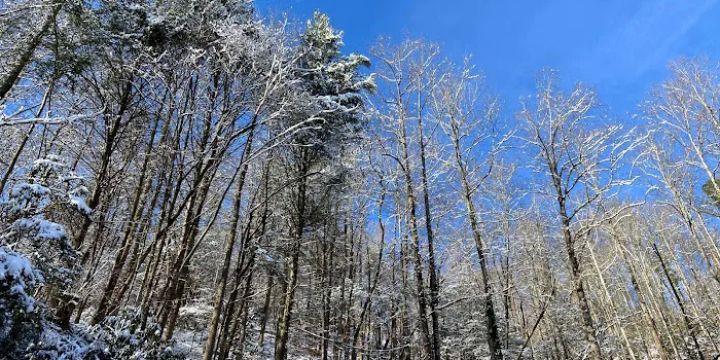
[
  {"x": 469, "y": 126},
  {"x": 582, "y": 164},
  {"x": 333, "y": 87}
]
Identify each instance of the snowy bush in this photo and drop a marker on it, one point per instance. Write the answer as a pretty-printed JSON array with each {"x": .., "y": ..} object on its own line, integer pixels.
[
  {"x": 131, "y": 335},
  {"x": 50, "y": 190},
  {"x": 194, "y": 315},
  {"x": 35, "y": 251},
  {"x": 118, "y": 337},
  {"x": 124, "y": 334},
  {"x": 18, "y": 310},
  {"x": 55, "y": 343}
]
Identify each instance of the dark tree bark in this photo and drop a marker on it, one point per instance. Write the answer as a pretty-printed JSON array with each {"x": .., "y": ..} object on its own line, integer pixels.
[
  {"x": 292, "y": 261},
  {"x": 16, "y": 69},
  {"x": 493, "y": 336},
  {"x": 432, "y": 268}
]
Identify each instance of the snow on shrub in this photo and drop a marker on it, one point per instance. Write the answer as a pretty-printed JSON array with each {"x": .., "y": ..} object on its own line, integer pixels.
[
  {"x": 132, "y": 335},
  {"x": 50, "y": 189},
  {"x": 18, "y": 316}
]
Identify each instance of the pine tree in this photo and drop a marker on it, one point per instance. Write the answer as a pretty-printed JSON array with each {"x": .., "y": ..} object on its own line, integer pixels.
[{"x": 333, "y": 86}]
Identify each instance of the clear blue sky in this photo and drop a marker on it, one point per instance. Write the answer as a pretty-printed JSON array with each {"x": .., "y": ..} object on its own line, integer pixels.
[{"x": 619, "y": 47}]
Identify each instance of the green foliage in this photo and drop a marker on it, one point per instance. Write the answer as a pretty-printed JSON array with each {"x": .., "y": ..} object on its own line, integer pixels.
[
  {"x": 334, "y": 82},
  {"x": 709, "y": 188}
]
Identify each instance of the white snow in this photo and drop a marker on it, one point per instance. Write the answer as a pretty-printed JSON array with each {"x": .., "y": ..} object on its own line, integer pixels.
[
  {"x": 46, "y": 230},
  {"x": 17, "y": 269}
]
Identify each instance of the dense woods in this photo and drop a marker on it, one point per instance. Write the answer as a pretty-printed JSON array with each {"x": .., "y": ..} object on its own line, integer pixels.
[{"x": 186, "y": 179}]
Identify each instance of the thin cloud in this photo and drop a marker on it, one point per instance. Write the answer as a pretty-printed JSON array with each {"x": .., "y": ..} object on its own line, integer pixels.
[{"x": 645, "y": 41}]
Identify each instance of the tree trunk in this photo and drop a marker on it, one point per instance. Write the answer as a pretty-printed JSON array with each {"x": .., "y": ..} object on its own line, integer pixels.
[
  {"x": 16, "y": 69},
  {"x": 292, "y": 265},
  {"x": 411, "y": 209},
  {"x": 432, "y": 269},
  {"x": 266, "y": 309},
  {"x": 128, "y": 239},
  {"x": 229, "y": 245},
  {"x": 493, "y": 336},
  {"x": 686, "y": 318}
]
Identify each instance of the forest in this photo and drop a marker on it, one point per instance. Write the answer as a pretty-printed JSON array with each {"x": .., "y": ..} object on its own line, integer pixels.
[{"x": 186, "y": 179}]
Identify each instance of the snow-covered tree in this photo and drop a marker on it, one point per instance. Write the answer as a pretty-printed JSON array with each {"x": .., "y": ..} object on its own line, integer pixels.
[
  {"x": 19, "y": 317},
  {"x": 37, "y": 210}
]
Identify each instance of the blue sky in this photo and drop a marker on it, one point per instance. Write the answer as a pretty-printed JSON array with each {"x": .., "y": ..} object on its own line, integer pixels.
[{"x": 619, "y": 47}]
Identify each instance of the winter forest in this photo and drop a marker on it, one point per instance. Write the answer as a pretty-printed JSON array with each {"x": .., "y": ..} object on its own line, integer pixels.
[{"x": 185, "y": 179}]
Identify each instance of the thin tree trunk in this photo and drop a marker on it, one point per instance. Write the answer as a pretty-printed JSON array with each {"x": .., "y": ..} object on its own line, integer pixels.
[
  {"x": 128, "y": 239},
  {"x": 415, "y": 236},
  {"x": 686, "y": 318},
  {"x": 266, "y": 309},
  {"x": 373, "y": 286},
  {"x": 589, "y": 329},
  {"x": 108, "y": 150},
  {"x": 23, "y": 142},
  {"x": 292, "y": 266},
  {"x": 493, "y": 336},
  {"x": 432, "y": 269},
  {"x": 229, "y": 245},
  {"x": 613, "y": 309},
  {"x": 9, "y": 81}
]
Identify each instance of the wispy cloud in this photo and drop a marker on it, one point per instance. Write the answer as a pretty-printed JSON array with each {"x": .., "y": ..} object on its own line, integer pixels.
[{"x": 645, "y": 40}]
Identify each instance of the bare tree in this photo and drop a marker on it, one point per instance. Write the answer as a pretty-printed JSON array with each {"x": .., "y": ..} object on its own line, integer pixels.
[{"x": 582, "y": 162}]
